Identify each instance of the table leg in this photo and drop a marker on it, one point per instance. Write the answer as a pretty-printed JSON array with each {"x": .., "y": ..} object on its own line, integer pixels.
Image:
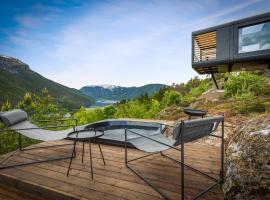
[
  {"x": 101, "y": 154},
  {"x": 91, "y": 165},
  {"x": 72, "y": 156},
  {"x": 83, "y": 152}
]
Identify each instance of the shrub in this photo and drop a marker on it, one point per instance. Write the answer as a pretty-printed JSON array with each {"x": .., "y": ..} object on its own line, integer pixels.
[
  {"x": 6, "y": 106},
  {"x": 195, "y": 92},
  {"x": 244, "y": 82},
  {"x": 86, "y": 116},
  {"x": 246, "y": 106},
  {"x": 248, "y": 90},
  {"x": 136, "y": 109},
  {"x": 171, "y": 97},
  {"x": 109, "y": 111},
  {"x": 187, "y": 100}
]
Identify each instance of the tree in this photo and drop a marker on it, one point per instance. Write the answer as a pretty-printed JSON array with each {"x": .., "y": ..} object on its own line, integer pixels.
[
  {"x": 109, "y": 111},
  {"x": 171, "y": 98},
  {"x": 144, "y": 98},
  {"x": 160, "y": 94},
  {"x": 40, "y": 107},
  {"x": 44, "y": 105},
  {"x": 6, "y": 106},
  {"x": 27, "y": 103}
]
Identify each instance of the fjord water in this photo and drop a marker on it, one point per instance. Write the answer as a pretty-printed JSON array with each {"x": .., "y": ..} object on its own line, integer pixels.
[{"x": 102, "y": 103}]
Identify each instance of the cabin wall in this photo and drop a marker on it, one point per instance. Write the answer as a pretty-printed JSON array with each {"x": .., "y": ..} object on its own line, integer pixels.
[
  {"x": 223, "y": 43},
  {"x": 228, "y": 54}
]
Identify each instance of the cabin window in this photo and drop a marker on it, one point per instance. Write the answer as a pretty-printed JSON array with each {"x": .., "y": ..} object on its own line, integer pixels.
[
  {"x": 205, "y": 47},
  {"x": 254, "y": 38}
]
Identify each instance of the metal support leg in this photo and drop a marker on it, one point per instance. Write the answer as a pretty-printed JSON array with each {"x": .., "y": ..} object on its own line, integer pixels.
[
  {"x": 182, "y": 166},
  {"x": 34, "y": 162},
  {"x": 182, "y": 169},
  {"x": 126, "y": 147},
  {"x": 137, "y": 173},
  {"x": 101, "y": 154},
  {"x": 83, "y": 152},
  {"x": 214, "y": 79},
  {"x": 20, "y": 142},
  {"x": 91, "y": 164},
  {"x": 222, "y": 154},
  {"x": 72, "y": 156},
  {"x": 5, "y": 159},
  {"x": 188, "y": 166}
]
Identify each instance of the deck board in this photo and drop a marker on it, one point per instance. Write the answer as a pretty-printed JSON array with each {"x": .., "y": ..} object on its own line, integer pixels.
[
  {"x": 113, "y": 180},
  {"x": 7, "y": 193}
]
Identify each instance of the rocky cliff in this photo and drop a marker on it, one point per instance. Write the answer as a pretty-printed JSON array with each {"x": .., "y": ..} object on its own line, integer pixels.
[{"x": 248, "y": 161}]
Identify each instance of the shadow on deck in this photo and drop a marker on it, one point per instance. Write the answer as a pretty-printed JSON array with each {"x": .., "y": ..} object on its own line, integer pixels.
[{"x": 113, "y": 180}]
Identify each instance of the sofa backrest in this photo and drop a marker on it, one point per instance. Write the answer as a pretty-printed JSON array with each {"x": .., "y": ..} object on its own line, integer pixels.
[{"x": 195, "y": 129}]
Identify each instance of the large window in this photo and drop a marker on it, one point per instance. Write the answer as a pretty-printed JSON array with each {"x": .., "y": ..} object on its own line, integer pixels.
[{"x": 254, "y": 38}]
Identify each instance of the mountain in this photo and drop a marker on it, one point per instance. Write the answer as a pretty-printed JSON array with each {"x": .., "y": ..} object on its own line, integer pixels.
[
  {"x": 117, "y": 93},
  {"x": 16, "y": 78}
]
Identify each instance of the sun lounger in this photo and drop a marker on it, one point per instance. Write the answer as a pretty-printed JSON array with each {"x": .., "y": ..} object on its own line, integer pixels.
[
  {"x": 184, "y": 132},
  {"x": 17, "y": 120}
]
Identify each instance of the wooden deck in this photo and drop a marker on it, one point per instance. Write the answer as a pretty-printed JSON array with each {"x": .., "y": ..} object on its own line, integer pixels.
[
  {"x": 112, "y": 181},
  {"x": 8, "y": 193}
]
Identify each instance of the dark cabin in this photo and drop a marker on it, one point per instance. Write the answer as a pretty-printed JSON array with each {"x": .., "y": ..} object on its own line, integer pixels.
[{"x": 241, "y": 44}]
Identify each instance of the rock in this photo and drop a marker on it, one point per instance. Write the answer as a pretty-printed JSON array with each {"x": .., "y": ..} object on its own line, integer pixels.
[
  {"x": 172, "y": 113},
  {"x": 247, "y": 161},
  {"x": 12, "y": 65},
  {"x": 212, "y": 95}
]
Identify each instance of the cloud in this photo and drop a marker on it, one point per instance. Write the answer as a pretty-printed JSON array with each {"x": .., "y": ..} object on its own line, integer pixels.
[
  {"x": 213, "y": 18},
  {"x": 119, "y": 45},
  {"x": 36, "y": 16},
  {"x": 41, "y": 8},
  {"x": 129, "y": 44},
  {"x": 27, "y": 21},
  {"x": 119, "y": 42},
  {"x": 30, "y": 21}
]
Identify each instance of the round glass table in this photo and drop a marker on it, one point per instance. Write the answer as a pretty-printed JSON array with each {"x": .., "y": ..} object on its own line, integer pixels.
[{"x": 87, "y": 135}]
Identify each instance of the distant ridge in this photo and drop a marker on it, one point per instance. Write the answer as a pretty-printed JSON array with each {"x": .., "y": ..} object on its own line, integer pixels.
[
  {"x": 117, "y": 93},
  {"x": 106, "y": 86},
  {"x": 16, "y": 78}
]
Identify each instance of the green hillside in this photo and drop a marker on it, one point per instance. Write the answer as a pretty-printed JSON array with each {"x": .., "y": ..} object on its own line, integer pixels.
[{"x": 16, "y": 78}]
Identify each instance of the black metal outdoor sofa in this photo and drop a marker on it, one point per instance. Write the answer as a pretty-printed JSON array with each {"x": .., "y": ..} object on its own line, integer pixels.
[
  {"x": 17, "y": 120},
  {"x": 184, "y": 132}
]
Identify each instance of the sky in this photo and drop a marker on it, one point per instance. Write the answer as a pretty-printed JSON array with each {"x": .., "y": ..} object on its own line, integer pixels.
[{"x": 120, "y": 42}]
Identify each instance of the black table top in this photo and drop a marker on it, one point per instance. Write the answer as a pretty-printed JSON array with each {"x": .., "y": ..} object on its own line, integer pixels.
[
  {"x": 194, "y": 112},
  {"x": 85, "y": 135}
]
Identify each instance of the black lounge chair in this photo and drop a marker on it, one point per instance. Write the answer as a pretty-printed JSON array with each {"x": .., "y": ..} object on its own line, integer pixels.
[
  {"x": 184, "y": 132},
  {"x": 17, "y": 120}
]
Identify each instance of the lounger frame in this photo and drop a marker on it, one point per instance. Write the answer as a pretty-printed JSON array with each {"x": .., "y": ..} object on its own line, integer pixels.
[
  {"x": 42, "y": 147},
  {"x": 182, "y": 164}
]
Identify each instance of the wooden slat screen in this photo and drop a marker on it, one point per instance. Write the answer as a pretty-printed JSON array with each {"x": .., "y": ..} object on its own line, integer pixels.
[{"x": 205, "y": 47}]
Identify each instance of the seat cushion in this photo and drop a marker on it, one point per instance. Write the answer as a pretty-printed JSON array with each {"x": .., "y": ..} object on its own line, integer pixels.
[
  {"x": 151, "y": 146},
  {"x": 12, "y": 117}
]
